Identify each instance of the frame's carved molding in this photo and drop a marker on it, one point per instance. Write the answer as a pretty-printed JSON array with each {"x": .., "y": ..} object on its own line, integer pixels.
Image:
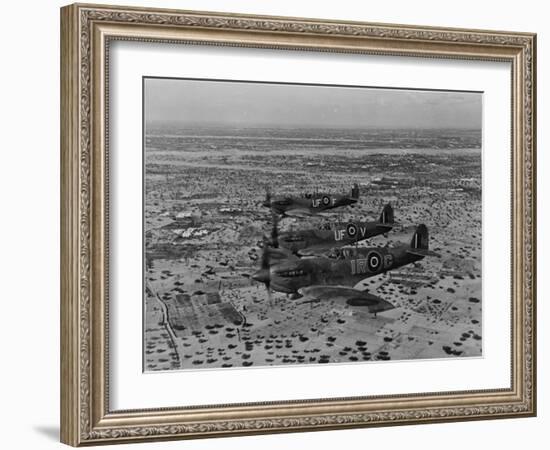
[{"x": 83, "y": 18}]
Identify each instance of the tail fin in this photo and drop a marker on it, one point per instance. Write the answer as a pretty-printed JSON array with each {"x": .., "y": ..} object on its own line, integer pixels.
[
  {"x": 386, "y": 217},
  {"x": 419, "y": 243},
  {"x": 420, "y": 238},
  {"x": 355, "y": 191}
]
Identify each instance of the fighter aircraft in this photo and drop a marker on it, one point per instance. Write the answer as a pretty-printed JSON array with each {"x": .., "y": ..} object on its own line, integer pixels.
[
  {"x": 325, "y": 279},
  {"x": 316, "y": 241},
  {"x": 309, "y": 204}
]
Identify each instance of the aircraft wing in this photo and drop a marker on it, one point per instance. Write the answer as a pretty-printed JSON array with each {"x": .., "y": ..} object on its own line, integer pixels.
[
  {"x": 303, "y": 213},
  {"x": 422, "y": 252},
  {"x": 299, "y": 213},
  {"x": 317, "y": 250},
  {"x": 350, "y": 296},
  {"x": 276, "y": 255}
]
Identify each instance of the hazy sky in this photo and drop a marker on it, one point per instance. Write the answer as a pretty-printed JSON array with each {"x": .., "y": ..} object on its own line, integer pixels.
[{"x": 219, "y": 103}]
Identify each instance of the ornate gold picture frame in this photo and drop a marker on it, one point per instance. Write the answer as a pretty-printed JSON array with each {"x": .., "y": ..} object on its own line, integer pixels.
[{"x": 87, "y": 31}]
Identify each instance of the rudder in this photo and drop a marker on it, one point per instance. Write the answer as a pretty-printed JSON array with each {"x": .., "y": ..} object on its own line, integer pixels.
[
  {"x": 420, "y": 238},
  {"x": 386, "y": 217}
]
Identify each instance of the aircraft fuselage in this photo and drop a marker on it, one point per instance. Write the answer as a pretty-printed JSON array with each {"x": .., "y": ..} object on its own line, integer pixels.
[
  {"x": 338, "y": 236},
  {"x": 290, "y": 276},
  {"x": 314, "y": 204}
]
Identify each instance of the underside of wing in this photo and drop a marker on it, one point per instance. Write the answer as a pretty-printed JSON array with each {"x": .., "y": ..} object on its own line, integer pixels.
[
  {"x": 276, "y": 255},
  {"x": 316, "y": 250},
  {"x": 422, "y": 252},
  {"x": 298, "y": 213},
  {"x": 302, "y": 213},
  {"x": 347, "y": 295}
]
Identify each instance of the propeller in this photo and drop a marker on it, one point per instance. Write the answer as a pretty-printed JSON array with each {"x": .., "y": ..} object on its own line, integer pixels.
[
  {"x": 263, "y": 275},
  {"x": 275, "y": 231},
  {"x": 266, "y": 272},
  {"x": 356, "y": 244}
]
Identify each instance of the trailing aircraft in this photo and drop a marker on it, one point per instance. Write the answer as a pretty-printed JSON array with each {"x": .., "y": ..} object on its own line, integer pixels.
[
  {"x": 326, "y": 279},
  {"x": 309, "y": 204},
  {"x": 317, "y": 241}
]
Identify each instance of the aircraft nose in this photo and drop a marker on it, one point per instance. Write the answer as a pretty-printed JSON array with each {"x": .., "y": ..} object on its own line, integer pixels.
[
  {"x": 386, "y": 306},
  {"x": 261, "y": 275}
]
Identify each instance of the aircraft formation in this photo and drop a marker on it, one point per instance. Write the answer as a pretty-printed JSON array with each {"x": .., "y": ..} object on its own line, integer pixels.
[{"x": 326, "y": 264}]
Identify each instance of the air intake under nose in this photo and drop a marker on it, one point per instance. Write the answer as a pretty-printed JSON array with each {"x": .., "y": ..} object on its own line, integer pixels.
[
  {"x": 261, "y": 275},
  {"x": 381, "y": 306},
  {"x": 386, "y": 306}
]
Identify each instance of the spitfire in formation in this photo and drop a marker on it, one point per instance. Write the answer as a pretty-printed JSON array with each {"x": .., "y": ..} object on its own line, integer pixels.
[
  {"x": 325, "y": 264},
  {"x": 310, "y": 204}
]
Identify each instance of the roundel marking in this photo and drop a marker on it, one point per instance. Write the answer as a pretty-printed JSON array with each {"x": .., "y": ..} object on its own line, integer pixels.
[
  {"x": 374, "y": 261},
  {"x": 351, "y": 229},
  {"x": 326, "y": 200}
]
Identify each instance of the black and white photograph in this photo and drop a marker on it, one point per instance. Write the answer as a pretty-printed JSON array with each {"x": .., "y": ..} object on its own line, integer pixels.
[{"x": 291, "y": 224}]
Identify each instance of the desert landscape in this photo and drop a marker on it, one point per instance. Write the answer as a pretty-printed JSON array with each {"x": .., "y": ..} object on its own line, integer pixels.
[{"x": 204, "y": 223}]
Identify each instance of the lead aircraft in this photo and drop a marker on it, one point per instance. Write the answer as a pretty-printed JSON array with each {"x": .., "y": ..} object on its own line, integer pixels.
[{"x": 323, "y": 279}]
